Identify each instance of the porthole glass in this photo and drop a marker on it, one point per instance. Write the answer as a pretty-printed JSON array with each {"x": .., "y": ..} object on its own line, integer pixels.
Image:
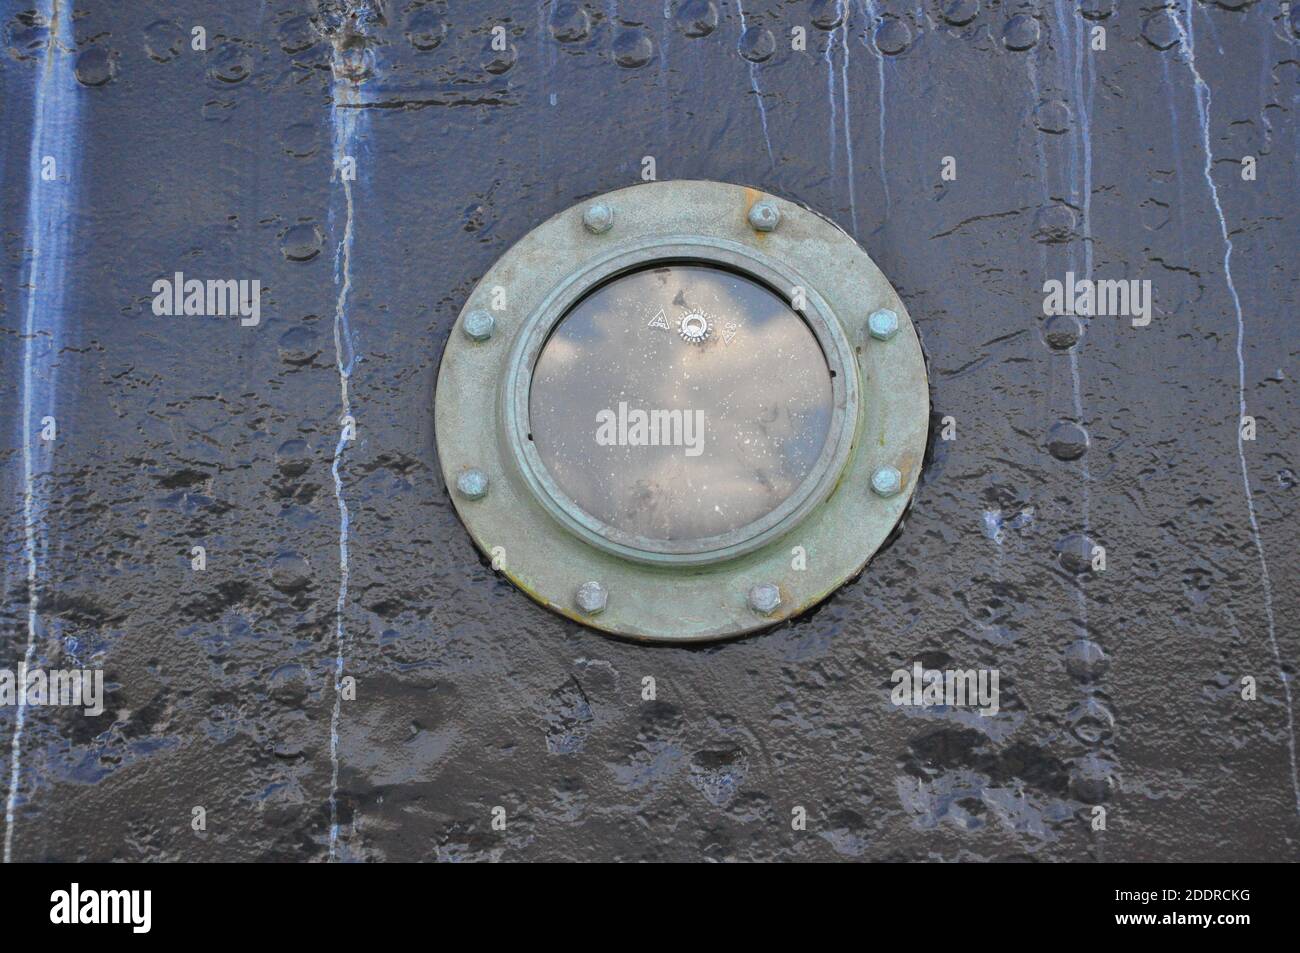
[{"x": 680, "y": 402}]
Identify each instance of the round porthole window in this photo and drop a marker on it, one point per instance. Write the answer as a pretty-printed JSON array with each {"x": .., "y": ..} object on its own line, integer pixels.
[{"x": 682, "y": 411}]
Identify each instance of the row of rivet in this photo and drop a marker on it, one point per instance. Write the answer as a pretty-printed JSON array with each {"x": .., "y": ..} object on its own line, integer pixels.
[{"x": 591, "y": 597}]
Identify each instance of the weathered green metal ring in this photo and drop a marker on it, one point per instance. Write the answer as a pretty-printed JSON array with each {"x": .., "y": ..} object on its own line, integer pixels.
[{"x": 821, "y": 536}]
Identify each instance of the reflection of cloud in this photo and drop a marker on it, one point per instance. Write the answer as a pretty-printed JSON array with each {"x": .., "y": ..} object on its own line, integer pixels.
[
  {"x": 562, "y": 353},
  {"x": 766, "y": 398}
]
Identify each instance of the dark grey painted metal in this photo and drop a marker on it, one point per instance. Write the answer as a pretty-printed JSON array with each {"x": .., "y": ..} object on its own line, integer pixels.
[{"x": 1120, "y": 689}]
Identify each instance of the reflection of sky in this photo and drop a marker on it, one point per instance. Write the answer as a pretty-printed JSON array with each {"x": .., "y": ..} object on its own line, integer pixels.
[{"x": 765, "y": 393}]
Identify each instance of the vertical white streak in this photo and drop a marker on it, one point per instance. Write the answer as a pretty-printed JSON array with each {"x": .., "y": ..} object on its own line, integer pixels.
[
  {"x": 848, "y": 132},
  {"x": 1187, "y": 44},
  {"x": 1070, "y": 72},
  {"x": 758, "y": 93},
  {"x": 1072, "y": 48},
  {"x": 1082, "y": 59},
  {"x": 830, "y": 94},
  {"x": 884, "y": 171},
  {"x": 874, "y": 18},
  {"x": 344, "y": 117},
  {"x": 1067, "y": 71},
  {"x": 1084, "y": 106},
  {"x": 54, "y": 131}
]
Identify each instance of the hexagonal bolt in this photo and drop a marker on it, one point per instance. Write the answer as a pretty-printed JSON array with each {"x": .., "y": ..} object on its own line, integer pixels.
[
  {"x": 883, "y": 324},
  {"x": 598, "y": 218},
  {"x": 886, "y": 481},
  {"x": 472, "y": 484},
  {"x": 478, "y": 325},
  {"x": 764, "y": 216},
  {"x": 591, "y": 598},
  {"x": 765, "y": 598}
]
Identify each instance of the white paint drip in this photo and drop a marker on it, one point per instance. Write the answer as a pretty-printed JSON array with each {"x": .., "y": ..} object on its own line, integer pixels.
[
  {"x": 1084, "y": 140},
  {"x": 1080, "y": 139},
  {"x": 54, "y": 129},
  {"x": 1187, "y": 45},
  {"x": 344, "y": 117},
  {"x": 1062, "y": 18},
  {"x": 874, "y": 15},
  {"x": 1081, "y": 58},
  {"x": 758, "y": 93},
  {"x": 848, "y": 132},
  {"x": 830, "y": 95},
  {"x": 1081, "y": 196}
]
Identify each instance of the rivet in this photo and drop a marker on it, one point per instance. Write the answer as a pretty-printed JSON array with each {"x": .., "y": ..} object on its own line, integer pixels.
[
  {"x": 764, "y": 216},
  {"x": 472, "y": 484},
  {"x": 764, "y": 598},
  {"x": 591, "y": 598},
  {"x": 478, "y": 325},
  {"x": 882, "y": 324},
  {"x": 598, "y": 218},
  {"x": 886, "y": 481}
]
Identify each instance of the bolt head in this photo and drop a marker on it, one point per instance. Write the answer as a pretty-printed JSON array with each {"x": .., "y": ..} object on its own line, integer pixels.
[
  {"x": 886, "y": 481},
  {"x": 764, "y": 216},
  {"x": 591, "y": 598},
  {"x": 478, "y": 325},
  {"x": 472, "y": 484},
  {"x": 598, "y": 218},
  {"x": 883, "y": 324},
  {"x": 764, "y": 598}
]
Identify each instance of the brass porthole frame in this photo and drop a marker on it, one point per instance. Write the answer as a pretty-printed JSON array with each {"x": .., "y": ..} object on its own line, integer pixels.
[{"x": 749, "y": 579}]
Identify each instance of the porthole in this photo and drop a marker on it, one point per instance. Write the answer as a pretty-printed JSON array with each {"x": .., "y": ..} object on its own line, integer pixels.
[{"x": 682, "y": 411}]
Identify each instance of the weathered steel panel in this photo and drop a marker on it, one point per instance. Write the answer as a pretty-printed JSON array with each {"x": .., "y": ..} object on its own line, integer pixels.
[{"x": 334, "y": 554}]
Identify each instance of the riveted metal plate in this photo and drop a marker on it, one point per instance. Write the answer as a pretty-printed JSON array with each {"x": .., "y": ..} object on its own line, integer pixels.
[{"x": 549, "y": 548}]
